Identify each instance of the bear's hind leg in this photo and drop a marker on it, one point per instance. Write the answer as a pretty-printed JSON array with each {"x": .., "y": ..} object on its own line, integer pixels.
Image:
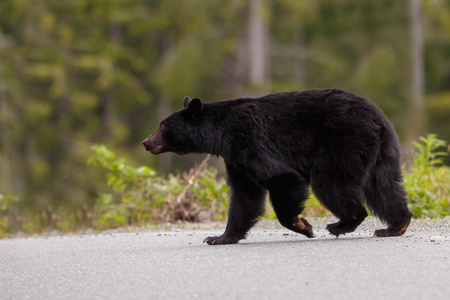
[
  {"x": 338, "y": 182},
  {"x": 288, "y": 193},
  {"x": 343, "y": 199},
  {"x": 386, "y": 197},
  {"x": 247, "y": 204}
]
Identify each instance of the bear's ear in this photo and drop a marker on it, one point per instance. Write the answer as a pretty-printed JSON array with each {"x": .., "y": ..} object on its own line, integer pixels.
[
  {"x": 186, "y": 101},
  {"x": 195, "y": 108}
]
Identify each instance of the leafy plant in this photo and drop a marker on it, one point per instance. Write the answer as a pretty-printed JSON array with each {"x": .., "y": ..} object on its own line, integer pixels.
[
  {"x": 6, "y": 201},
  {"x": 428, "y": 182},
  {"x": 428, "y": 156},
  {"x": 139, "y": 196}
]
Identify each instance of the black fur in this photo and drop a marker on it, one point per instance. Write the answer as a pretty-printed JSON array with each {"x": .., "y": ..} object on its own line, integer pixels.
[{"x": 336, "y": 142}]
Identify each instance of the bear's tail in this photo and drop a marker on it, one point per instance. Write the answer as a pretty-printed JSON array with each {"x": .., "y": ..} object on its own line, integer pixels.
[{"x": 385, "y": 195}]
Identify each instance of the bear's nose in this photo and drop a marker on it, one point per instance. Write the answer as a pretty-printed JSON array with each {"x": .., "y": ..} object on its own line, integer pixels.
[{"x": 145, "y": 143}]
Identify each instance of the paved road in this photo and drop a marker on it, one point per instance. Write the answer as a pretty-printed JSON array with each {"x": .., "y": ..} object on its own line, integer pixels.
[{"x": 271, "y": 264}]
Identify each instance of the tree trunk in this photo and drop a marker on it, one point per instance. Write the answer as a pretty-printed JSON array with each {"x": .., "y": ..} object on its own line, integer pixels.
[
  {"x": 257, "y": 45},
  {"x": 299, "y": 64},
  {"x": 416, "y": 125},
  {"x": 6, "y": 149},
  {"x": 109, "y": 100}
]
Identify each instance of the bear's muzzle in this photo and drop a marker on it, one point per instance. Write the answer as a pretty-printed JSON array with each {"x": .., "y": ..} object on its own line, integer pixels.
[{"x": 152, "y": 143}]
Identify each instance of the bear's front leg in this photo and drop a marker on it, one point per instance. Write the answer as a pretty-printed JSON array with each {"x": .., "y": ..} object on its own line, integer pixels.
[
  {"x": 288, "y": 193},
  {"x": 246, "y": 206}
]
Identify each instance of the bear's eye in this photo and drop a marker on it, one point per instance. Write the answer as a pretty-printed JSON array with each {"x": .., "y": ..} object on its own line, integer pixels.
[{"x": 161, "y": 128}]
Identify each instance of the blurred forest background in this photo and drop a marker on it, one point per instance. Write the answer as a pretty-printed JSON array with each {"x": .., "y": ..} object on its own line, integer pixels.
[{"x": 75, "y": 73}]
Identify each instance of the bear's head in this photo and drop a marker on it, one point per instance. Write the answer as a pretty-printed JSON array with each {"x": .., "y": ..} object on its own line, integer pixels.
[{"x": 176, "y": 133}]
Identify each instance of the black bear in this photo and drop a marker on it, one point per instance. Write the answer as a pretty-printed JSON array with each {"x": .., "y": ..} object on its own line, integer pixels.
[{"x": 338, "y": 143}]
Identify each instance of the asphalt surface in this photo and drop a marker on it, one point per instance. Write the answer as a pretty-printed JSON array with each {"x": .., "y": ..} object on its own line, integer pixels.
[{"x": 272, "y": 263}]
